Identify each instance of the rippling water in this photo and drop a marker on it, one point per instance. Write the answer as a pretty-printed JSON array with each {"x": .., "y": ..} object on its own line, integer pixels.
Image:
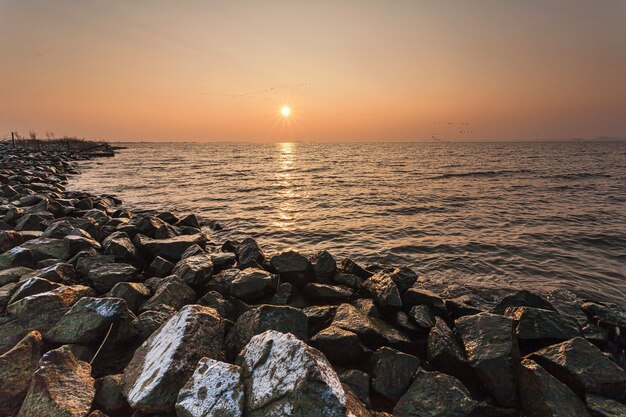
[{"x": 537, "y": 216}]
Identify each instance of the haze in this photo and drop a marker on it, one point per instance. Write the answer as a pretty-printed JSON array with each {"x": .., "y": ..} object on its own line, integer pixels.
[{"x": 349, "y": 71}]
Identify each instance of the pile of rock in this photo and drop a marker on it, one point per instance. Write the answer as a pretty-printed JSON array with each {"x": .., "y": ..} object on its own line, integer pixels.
[{"x": 105, "y": 312}]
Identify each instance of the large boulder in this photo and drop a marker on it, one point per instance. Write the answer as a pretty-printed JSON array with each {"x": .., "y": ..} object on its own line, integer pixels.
[
  {"x": 444, "y": 350},
  {"x": 542, "y": 395},
  {"x": 393, "y": 372},
  {"x": 163, "y": 363},
  {"x": 293, "y": 267},
  {"x": 491, "y": 348},
  {"x": 265, "y": 317},
  {"x": 324, "y": 265},
  {"x": 384, "y": 290},
  {"x": 120, "y": 246},
  {"x": 435, "y": 394},
  {"x": 584, "y": 368},
  {"x": 249, "y": 254},
  {"x": 104, "y": 277},
  {"x": 62, "y": 386},
  {"x": 286, "y": 377},
  {"x": 341, "y": 347},
  {"x": 252, "y": 284},
  {"x": 403, "y": 277},
  {"x": 171, "y": 292},
  {"x": 195, "y": 270},
  {"x": 61, "y": 298},
  {"x": 543, "y": 326},
  {"x": 171, "y": 249},
  {"x": 16, "y": 370},
  {"x": 215, "y": 389}
]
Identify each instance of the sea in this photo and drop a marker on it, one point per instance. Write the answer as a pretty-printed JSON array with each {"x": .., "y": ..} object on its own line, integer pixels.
[{"x": 547, "y": 217}]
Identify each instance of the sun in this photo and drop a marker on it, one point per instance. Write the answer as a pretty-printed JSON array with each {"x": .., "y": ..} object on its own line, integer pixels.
[{"x": 285, "y": 111}]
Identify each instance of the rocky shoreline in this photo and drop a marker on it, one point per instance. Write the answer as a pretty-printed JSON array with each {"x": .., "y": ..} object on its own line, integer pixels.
[{"x": 105, "y": 312}]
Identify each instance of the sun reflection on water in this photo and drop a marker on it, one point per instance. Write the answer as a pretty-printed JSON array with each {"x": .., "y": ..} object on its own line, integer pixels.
[{"x": 287, "y": 196}]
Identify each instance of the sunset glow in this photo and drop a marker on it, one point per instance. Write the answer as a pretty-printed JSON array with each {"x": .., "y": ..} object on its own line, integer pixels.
[{"x": 285, "y": 111}]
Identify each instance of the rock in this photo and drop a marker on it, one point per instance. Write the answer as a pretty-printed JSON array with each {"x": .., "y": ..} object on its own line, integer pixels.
[
  {"x": 265, "y": 317},
  {"x": 215, "y": 389},
  {"x": 134, "y": 293},
  {"x": 120, "y": 247},
  {"x": 155, "y": 228},
  {"x": 542, "y": 395},
  {"x": 171, "y": 249},
  {"x": 383, "y": 290},
  {"x": 457, "y": 308},
  {"x": 224, "y": 307},
  {"x": 109, "y": 395},
  {"x": 282, "y": 295},
  {"x": 33, "y": 286},
  {"x": 367, "y": 307},
  {"x": 325, "y": 293},
  {"x": 249, "y": 254},
  {"x": 415, "y": 296},
  {"x": 393, "y": 372},
  {"x": 88, "y": 320},
  {"x": 104, "y": 277},
  {"x": 46, "y": 248},
  {"x": 293, "y": 267},
  {"x": 359, "y": 383},
  {"x": 16, "y": 370},
  {"x": 491, "y": 349},
  {"x": 325, "y": 266},
  {"x": 252, "y": 284},
  {"x": 34, "y": 221},
  {"x": 348, "y": 280},
  {"x": 223, "y": 260},
  {"x": 62, "y": 386},
  {"x": 173, "y": 292},
  {"x": 435, "y": 394},
  {"x": 190, "y": 220},
  {"x": 86, "y": 261},
  {"x": 341, "y": 347},
  {"x": 163, "y": 363},
  {"x": 195, "y": 270},
  {"x": 17, "y": 257},
  {"x": 546, "y": 326},
  {"x": 522, "y": 299},
  {"x": 192, "y": 251},
  {"x": 160, "y": 267},
  {"x": 168, "y": 217},
  {"x": 350, "y": 267},
  {"x": 286, "y": 377},
  {"x": 319, "y": 317},
  {"x": 584, "y": 368},
  {"x": 13, "y": 274},
  {"x": 444, "y": 350},
  {"x": 422, "y": 316},
  {"x": 404, "y": 278},
  {"x": 44, "y": 303},
  {"x": 604, "y": 407},
  {"x": 149, "y": 321},
  {"x": 58, "y": 272}
]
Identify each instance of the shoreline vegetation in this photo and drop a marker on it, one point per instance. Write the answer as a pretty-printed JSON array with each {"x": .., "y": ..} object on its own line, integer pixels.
[{"x": 106, "y": 312}]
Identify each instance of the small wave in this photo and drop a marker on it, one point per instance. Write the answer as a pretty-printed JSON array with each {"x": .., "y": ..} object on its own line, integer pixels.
[
  {"x": 479, "y": 174},
  {"x": 578, "y": 175}
]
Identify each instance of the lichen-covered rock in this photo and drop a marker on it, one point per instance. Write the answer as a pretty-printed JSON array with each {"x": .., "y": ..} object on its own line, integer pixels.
[
  {"x": 384, "y": 290},
  {"x": 393, "y": 372},
  {"x": 163, "y": 363},
  {"x": 16, "y": 370},
  {"x": 104, "y": 277},
  {"x": 583, "y": 367},
  {"x": 286, "y": 377},
  {"x": 43, "y": 303},
  {"x": 252, "y": 284},
  {"x": 88, "y": 320},
  {"x": 435, "y": 394},
  {"x": 542, "y": 395},
  {"x": 33, "y": 286},
  {"x": 265, "y": 317},
  {"x": 62, "y": 386},
  {"x": 491, "y": 348},
  {"x": 195, "y": 270},
  {"x": 215, "y": 389}
]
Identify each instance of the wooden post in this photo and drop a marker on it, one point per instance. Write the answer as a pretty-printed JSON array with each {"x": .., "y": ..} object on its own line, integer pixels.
[
  {"x": 13, "y": 139},
  {"x": 68, "y": 145}
]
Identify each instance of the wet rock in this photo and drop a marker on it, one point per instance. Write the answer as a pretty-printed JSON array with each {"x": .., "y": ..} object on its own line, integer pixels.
[
  {"x": 359, "y": 383},
  {"x": 88, "y": 320},
  {"x": 522, "y": 299},
  {"x": 13, "y": 274},
  {"x": 155, "y": 228},
  {"x": 149, "y": 321},
  {"x": 109, "y": 395},
  {"x": 163, "y": 363},
  {"x": 120, "y": 247},
  {"x": 415, "y": 296},
  {"x": 17, "y": 257},
  {"x": 171, "y": 249},
  {"x": 319, "y": 317},
  {"x": 457, "y": 308},
  {"x": 584, "y": 368},
  {"x": 160, "y": 267},
  {"x": 134, "y": 293},
  {"x": 249, "y": 254},
  {"x": 16, "y": 370},
  {"x": 435, "y": 394},
  {"x": 491, "y": 349},
  {"x": 104, "y": 277},
  {"x": 348, "y": 280},
  {"x": 223, "y": 260},
  {"x": 62, "y": 386},
  {"x": 393, "y": 372},
  {"x": 327, "y": 293},
  {"x": 444, "y": 349},
  {"x": 252, "y": 284},
  {"x": 33, "y": 286},
  {"x": 282, "y": 295},
  {"x": 422, "y": 316},
  {"x": 293, "y": 267},
  {"x": 604, "y": 407},
  {"x": 189, "y": 220},
  {"x": 383, "y": 290},
  {"x": 546, "y": 326},
  {"x": 341, "y": 347},
  {"x": 172, "y": 292},
  {"x": 542, "y": 395},
  {"x": 224, "y": 307},
  {"x": 47, "y": 302},
  {"x": 265, "y": 317},
  {"x": 325, "y": 266},
  {"x": 350, "y": 267},
  {"x": 286, "y": 377},
  {"x": 195, "y": 270},
  {"x": 58, "y": 272},
  {"x": 404, "y": 278},
  {"x": 215, "y": 389}
]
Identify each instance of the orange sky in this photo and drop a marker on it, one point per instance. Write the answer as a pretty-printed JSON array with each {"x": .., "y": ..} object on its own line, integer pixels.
[{"x": 373, "y": 70}]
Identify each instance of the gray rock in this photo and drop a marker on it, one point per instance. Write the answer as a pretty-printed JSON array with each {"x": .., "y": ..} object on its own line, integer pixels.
[
  {"x": 17, "y": 257},
  {"x": 604, "y": 407},
  {"x": 286, "y": 377},
  {"x": 171, "y": 249},
  {"x": 223, "y": 260},
  {"x": 293, "y": 267},
  {"x": 149, "y": 321},
  {"x": 215, "y": 389},
  {"x": 393, "y": 372},
  {"x": 104, "y": 277},
  {"x": 109, "y": 395},
  {"x": 444, "y": 350},
  {"x": 120, "y": 247},
  {"x": 13, "y": 274},
  {"x": 404, "y": 278},
  {"x": 16, "y": 371},
  {"x": 341, "y": 347},
  {"x": 62, "y": 386},
  {"x": 536, "y": 324},
  {"x": 47, "y": 302},
  {"x": 348, "y": 280},
  {"x": 265, "y": 317},
  {"x": 172, "y": 292},
  {"x": 325, "y": 293},
  {"x": 422, "y": 316},
  {"x": 282, "y": 295},
  {"x": 160, "y": 267},
  {"x": 319, "y": 317},
  {"x": 249, "y": 254},
  {"x": 359, "y": 383},
  {"x": 325, "y": 266},
  {"x": 415, "y": 296},
  {"x": 163, "y": 363},
  {"x": 155, "y": 228},
  {"x": 192, "y": 251},
  {"x": 583, "y": 367},
  {"x": 348, "y": 266},
  {"x": 435, "y": 394},
  {"x": 252, "y": 284},
  {"x": 491, "y": 349},
  {"x": 135, "y": 294},
  {"x": 195, "y": 270},
  {"x": 384, "y": 290},
  {"x": 33, "y": 286},
  {"x": 542, "y": 395},
  {"x": 522, "y": 298}
]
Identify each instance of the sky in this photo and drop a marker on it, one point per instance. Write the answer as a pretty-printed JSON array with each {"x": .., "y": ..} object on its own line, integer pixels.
[{"x": 351, "y": 70}]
